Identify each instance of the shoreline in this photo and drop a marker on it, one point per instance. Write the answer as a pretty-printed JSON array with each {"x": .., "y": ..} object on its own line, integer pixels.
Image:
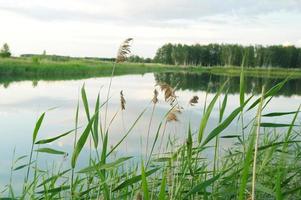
[{"x": 20, "y": 68}]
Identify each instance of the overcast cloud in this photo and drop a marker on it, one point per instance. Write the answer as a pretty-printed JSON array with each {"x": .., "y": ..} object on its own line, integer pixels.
[{"x": 96, "y": 27}]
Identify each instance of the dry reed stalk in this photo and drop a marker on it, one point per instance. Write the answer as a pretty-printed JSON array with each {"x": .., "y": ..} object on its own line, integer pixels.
[
  {"x": 139, "y": 196},
  {"x": 256, "y": 143},
  {"x": 123, "y": 52},
  {"x": 154, "y": 101}
]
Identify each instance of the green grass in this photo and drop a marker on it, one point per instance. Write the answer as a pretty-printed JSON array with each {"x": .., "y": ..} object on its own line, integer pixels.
[
  {"x": 14, "y": 69},
  {"x": 74, "y": 68},
  {"x": 256, "y": 72},
  {"x": 182, "y": 170}
]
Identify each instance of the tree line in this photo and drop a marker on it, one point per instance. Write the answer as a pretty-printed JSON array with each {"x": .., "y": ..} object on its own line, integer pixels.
[
  {"x": 229, "y": 55},
  {"x": 205, "y": 55}
]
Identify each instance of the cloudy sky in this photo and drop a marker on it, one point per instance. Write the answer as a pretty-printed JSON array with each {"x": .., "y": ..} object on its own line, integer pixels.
[{"x": 96, "y": 27}]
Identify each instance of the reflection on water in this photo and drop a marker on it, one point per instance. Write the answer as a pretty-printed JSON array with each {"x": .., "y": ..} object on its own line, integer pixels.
[
  {"x": 22, "y": 102},
  {"x": 197, "y": 82}
]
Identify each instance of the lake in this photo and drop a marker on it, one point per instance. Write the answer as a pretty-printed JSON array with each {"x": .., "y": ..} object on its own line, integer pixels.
[{"x": 22, "y": 102}]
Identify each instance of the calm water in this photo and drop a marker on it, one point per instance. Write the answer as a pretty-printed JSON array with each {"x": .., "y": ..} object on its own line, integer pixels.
[{"x": 22, "y": 102}]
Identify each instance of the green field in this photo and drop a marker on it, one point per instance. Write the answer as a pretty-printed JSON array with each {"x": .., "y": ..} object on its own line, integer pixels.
[{"x": 27, "y": 69}]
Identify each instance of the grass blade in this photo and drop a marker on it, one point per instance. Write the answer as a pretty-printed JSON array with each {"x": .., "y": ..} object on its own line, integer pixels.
[
  {"x": 207, "y": 113},
  {"x": 223, "y": 108},
  {"x": 224, "y": 124},
  {"x": 144, "y": 183},
  {"x": 81, "y": 142},
  {"x": 106, "y": 166},
  {"x": 85, "y": 101},
  {"x": 277, "y": 114},
  {"x": 274, "y": 90},
  {"x": 37, "y": 127},
  {"x": 274, "y": 125},
  {"x": 50, "y": 151},
  {"x": 162, "y": 193},
  {"x": 95, "y": 132},
  {"x": 49, "y": 140},
  {"x": 134, "y": 179},
  {"x": 203, "y": 185}
]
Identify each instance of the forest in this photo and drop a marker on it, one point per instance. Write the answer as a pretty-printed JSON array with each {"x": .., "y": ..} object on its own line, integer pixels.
[{"x": 229, "y": 55}]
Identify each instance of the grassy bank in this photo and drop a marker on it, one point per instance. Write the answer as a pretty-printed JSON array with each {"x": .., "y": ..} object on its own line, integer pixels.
[
  {"x": 76, "y": 67},
  {"x": 28, "y": 69},
  {"x": 256, "y": 72},
  {"x": 263, "y": 163}
]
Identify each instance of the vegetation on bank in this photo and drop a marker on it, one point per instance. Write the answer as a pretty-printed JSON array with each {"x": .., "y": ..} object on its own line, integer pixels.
[
  {"x": 213, "y": 58},
  {"x": 230, "y": 55},
  {"x": 17, "y": 67},
  {"x": 5, "y": 51},
  {"x": 197, "y": 55},
  {"x": 262, "y": 163},
  {"x": 33, "y": 68}
]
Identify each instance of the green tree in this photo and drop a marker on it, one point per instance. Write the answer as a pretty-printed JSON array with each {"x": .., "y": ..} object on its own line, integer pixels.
[
  {"x": 5, "y": 52},
  {"x": 229, "y": 55}
]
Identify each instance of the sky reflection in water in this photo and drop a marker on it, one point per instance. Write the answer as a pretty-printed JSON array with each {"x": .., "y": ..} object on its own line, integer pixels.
[{"x": 21, "y": 104}]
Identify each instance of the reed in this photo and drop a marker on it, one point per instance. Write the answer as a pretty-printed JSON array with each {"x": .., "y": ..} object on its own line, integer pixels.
[{"x": 182, "y": 169}]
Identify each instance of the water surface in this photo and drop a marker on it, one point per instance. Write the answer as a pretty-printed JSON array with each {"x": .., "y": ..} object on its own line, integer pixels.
[{"x": 22, "y": 102}]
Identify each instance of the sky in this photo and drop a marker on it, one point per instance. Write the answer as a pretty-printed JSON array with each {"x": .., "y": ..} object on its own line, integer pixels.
[{"x": 96, "y": 27}]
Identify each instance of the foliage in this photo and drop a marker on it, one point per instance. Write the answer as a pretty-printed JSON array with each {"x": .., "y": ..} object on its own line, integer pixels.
[
  {"x": 5, "y": 51},
  {"x": 138, "y": 59},
  {"x": 229, "y": 55},
  {"x": 182, "y": 171}
]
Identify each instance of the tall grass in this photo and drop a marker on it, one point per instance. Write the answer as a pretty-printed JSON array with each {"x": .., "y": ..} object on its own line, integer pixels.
[
  {"x": 181, "y": 172},
  {"x": 246, "y": 170}
]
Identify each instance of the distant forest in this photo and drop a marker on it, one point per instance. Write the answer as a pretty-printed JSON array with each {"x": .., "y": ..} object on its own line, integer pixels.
[
  {"x": 228, "y": 54},
  {"x": 211, "y": 55}
]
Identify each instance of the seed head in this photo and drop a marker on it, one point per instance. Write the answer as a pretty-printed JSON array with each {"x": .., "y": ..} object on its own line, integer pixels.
[
  {"x": 169, "y": 93},
  {"x": 155, "y": 98},
  {"x": 124, "y": 50},
  {"x": 194, "y": 100},
  {"x": 122, "y": 100},
  {"x": 172, "y": 115}
]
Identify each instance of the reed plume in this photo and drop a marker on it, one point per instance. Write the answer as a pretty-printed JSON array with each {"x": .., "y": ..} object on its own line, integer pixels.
[
  {"x": 169, "y": 93},
  {"x": 155, "y": 98},
  {"x": 124, "y": 50},
  {"x": 122, "y": 54},
  {"x": 194, "y": 100},
  {"x": 172, "y": 115},
  {"x": 122, "y": 100}
]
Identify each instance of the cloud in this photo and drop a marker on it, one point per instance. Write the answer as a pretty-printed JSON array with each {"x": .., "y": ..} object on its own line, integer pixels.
[
  {"x": 152, "y": 11},
  {"x": 95, "y": 27}
]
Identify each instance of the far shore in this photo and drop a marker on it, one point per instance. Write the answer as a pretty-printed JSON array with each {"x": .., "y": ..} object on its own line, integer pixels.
[{"x": 27, "y": 69}]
